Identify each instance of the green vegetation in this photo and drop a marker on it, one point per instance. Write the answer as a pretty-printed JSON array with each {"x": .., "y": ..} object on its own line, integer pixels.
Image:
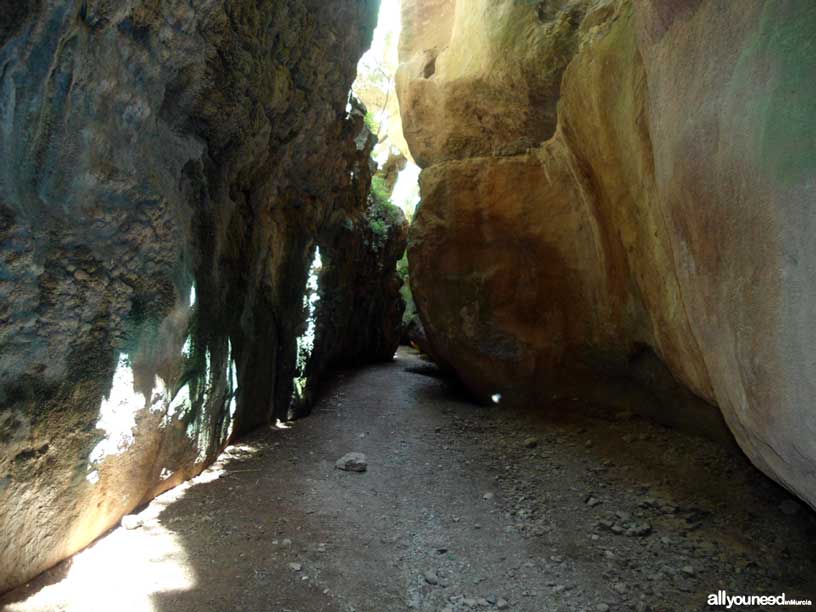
[
  {"x": 379, "y": 191},
  {"x": 382, "y": 214},
  {"x": 371, "y": 123}
]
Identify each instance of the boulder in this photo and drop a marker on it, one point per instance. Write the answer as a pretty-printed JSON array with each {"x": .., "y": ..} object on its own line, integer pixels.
[{"x": 659, "y": 217}]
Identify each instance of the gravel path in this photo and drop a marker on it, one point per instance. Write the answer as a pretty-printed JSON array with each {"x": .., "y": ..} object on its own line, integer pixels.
[{"x": 461, "y": 508}]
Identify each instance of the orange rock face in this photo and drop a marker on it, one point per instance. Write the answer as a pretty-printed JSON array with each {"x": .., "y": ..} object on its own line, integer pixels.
[{"x": 664, "y": 208}]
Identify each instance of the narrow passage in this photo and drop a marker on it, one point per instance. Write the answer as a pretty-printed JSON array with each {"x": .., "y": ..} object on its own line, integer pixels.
[{"x": 462, "y": 507}]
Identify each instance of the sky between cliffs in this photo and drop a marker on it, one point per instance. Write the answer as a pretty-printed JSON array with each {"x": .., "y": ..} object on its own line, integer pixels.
[{"x": 375, "y": 86}]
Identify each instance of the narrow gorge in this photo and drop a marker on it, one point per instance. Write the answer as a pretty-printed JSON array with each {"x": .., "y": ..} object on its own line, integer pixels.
[{"x": 548, "y": 264}]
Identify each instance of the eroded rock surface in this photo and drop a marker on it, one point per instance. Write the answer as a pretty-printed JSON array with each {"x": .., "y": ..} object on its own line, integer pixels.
[
  {"x": 167, "y": 170},
  {"x": 661, "y": 217}
]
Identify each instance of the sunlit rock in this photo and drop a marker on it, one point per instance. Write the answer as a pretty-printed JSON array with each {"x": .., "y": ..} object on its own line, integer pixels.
[{"x": 653, "y": 228}]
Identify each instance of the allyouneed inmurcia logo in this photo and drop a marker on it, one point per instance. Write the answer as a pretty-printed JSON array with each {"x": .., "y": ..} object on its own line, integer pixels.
[{"x": 721, "y": 598}]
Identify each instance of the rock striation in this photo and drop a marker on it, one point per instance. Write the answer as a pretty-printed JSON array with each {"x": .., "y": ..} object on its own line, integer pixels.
[
  {"x": 621, "y": 188},
  {"x": 167, "y": 171}
]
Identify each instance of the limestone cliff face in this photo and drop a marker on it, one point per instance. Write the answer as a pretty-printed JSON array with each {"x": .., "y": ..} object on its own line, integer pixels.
[
  {"x": 167, "y": 170},
  {"x": 663, "y": 214},
  {"x": 497, "y": 96}
]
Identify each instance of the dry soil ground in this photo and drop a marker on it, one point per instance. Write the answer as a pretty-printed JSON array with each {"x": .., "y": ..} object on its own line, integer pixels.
[{"x": 559, "y": 507}]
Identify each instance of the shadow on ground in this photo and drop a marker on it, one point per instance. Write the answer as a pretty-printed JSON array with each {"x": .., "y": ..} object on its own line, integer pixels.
[{"x": 560, "y": 506}]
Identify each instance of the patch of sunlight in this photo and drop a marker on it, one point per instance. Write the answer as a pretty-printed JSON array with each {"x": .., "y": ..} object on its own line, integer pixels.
[
  {"x": 179, "y": 405},
  {"x": 210, "y": 475},
  {"x": 406, "y": 189},
  {"x": 305, "y": 343},
  {"x": 233, "y": 378},
  {"x": 187, "y": 349},
  {"x": 300, "y": 385},
  {"x": 382, "y": 153},
  {"x": 126, "y": 571},
  {"x": 117, "y": 416},
  {"x": 240, "y": 449},
  {"x": 389, "y": 26},
  {"x": 232, "y": 373},
  {"x": 159, "y": 394},
  {"x": 282, "y": 425},
  {"x": 142, "y": 570},
  {"x": 207, "y": 372}
]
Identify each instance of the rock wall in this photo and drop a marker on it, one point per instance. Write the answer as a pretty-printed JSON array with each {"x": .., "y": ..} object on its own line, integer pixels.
[
  {"x": 613, "y": 184},
  {"x": 356, "y": 292},
  {"x": 167, "y": 170}
]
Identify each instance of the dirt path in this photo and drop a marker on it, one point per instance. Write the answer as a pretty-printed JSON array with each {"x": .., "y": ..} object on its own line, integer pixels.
[{"x": 462, "y": 507}]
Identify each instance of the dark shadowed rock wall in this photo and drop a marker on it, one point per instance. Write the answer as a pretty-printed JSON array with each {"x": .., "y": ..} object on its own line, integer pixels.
[{"x": 167, "y": 169}]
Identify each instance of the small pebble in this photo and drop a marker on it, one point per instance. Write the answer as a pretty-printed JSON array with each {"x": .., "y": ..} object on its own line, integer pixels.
[{"x": 352, "y": 462}]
